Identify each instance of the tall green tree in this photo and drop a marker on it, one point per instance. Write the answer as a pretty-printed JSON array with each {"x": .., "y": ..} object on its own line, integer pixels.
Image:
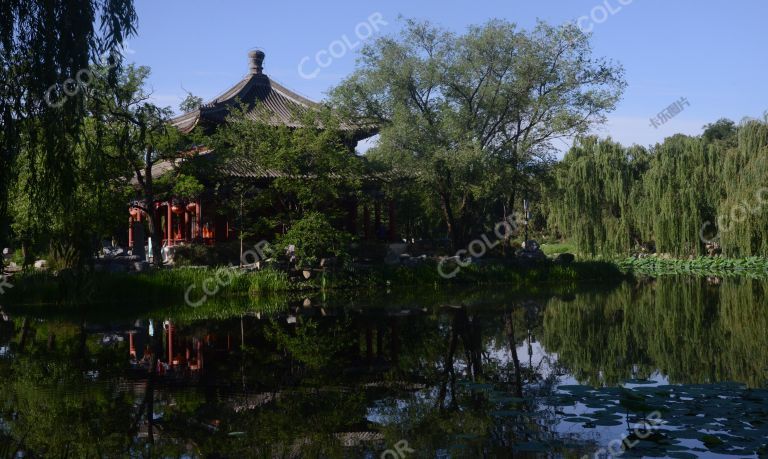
[
  {"x": 592, "y": 199},
  {"x": 685, "y": 196},
  {"x": 311, "y": 168},
  {"x": 473, "y": 114},
  {"x": 742, "y": 216},
  {"x": 681, "y": 190},
  {"x": 45, "y": 52},
  {"x": 136, "y": 135}
]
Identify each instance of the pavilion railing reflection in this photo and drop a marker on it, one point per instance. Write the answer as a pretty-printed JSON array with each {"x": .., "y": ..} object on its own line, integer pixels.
[{"x": 370, "y": 343}]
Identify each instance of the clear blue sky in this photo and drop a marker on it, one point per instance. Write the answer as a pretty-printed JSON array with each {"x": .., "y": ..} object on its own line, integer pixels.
[{"x": 712, "y": 52}]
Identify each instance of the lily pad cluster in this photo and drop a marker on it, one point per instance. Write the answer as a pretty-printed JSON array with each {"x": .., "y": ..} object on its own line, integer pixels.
[
  {"x": 753, "y": 267},
  {"x": 721, "y": 418}
]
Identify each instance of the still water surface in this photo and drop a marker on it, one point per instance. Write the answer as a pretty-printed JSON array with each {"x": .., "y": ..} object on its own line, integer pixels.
[{"x": 676, "y": 367}]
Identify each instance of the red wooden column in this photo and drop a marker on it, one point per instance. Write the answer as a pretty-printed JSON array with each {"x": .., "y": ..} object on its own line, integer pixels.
[
  {"x": 171, "y": 329},
  {"x": 138, "y": 220},
  {"x": 169, "y": 225},
  {"x": 199, "y": 355},
  {"x": 130, "y": 230},
  {"x": 180, "y": 228},
  {"x": 199, "y": 216},
  {"x": 131, "y": 345},
  {"x": 187, "y": 233}
]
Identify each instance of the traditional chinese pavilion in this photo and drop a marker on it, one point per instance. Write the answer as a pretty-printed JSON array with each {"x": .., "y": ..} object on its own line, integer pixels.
[{"x": 270, "y": 103}]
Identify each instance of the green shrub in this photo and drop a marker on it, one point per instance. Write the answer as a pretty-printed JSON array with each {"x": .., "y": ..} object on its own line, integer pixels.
[
  {"x": 315, "y": 238},
  {"x": 18, "y": 257},
  {"x": 221, "y": 254}
]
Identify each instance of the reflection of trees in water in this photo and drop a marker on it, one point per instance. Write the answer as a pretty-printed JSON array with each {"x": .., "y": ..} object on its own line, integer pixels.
[
  {"x": 49, "y": 404},
  {"x": 690, "y": 330},
  {"x": 438, "y": 377},
  {"x": 473, "y": 403}
]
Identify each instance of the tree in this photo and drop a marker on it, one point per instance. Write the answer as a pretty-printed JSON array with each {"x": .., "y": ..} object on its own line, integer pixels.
[
  {"x": 45, "y": 52},
  {"x": 591, "y": 199},
  {"x": 99, "y": 191},
  {"x": 313, "y": 167},
  {"x": 742, "y": 216},
  {"x": 721, "y": 129},
  {"x": 474, "y": 114},
  {"x": 138, "y": 135},
  {"x": 191, "y": 102},
  {"x": 686, "y": 196}
]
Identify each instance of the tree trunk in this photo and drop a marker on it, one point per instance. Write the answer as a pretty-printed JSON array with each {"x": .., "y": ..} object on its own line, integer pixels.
[
  {"x": 26, "y": 254},
  {"x": 25, "y": 328},
  {"x": 450, "y": 220},
  {"x": 154, "y": 234},
  {"x": 154, "y": 221}
]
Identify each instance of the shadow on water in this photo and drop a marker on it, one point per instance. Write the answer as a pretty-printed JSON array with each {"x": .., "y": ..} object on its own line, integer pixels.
[{"x": 422, "y": 373}]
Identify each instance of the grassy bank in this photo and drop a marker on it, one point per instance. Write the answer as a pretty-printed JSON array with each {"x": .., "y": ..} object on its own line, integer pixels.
[{"x": 178, "y": 286}]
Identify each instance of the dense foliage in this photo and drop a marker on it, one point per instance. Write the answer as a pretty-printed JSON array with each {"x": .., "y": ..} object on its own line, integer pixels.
[
  {"x": 472, "y": 118},
  {"x": 685, "y": 196},
  {"x": 311, "y": 171},
  {"x": 467, "y": 124},
  {"x": 46, "y": 49},
  {"x": 313, "y": 238}
]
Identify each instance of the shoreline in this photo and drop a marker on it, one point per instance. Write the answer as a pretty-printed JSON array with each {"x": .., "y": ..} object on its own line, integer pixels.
[
  {"x": 180, "y": 284},
  {"x": 188, "y": 285}
]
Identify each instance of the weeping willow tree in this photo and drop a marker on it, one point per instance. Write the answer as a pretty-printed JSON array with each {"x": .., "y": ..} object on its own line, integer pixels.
[
  {"x": 99, "y": 193},
  {"x": 742, "y": 221},
  {"x": 675, "y": 198},
  {"x": 45, "y": 52},
  {"x": 591, "y": 201},
  {"x": 680, "y": 191}
]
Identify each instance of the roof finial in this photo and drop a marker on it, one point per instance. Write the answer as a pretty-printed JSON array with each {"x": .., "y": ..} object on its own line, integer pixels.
[{"x": 256, "y": 58}]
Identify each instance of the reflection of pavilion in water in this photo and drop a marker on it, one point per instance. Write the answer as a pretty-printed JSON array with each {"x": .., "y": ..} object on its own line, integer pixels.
[
  {"x": 184, "y": 351},
  {"x": 209, "y": 355},
  {"x": 178, "y": 354}
]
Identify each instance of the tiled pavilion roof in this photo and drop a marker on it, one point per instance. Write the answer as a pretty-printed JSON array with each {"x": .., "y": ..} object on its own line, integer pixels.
[{"x": 268, "y": 102}]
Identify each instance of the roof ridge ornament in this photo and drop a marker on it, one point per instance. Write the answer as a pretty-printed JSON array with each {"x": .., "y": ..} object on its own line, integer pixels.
[{"x": 256, "y": 59}]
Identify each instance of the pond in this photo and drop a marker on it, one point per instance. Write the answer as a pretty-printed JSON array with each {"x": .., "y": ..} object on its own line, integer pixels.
[{"x": 673, "y": 367}]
